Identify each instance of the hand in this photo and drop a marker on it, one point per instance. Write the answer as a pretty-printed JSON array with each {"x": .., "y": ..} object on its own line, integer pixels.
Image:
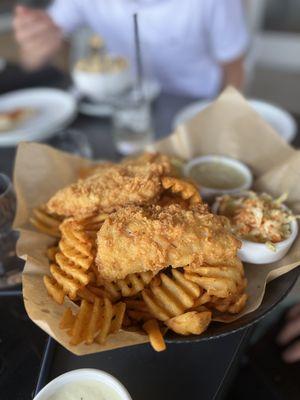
[
  {"x": 37, "y": 35},
  {"x": 289, "y": 332}
]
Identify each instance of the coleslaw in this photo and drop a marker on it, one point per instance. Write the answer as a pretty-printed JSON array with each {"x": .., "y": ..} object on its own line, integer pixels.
[{"x": 257, "y": 217}]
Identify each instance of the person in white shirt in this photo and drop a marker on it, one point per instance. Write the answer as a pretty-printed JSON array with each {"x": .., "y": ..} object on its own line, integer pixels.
[{"x": 192, "y": 47}]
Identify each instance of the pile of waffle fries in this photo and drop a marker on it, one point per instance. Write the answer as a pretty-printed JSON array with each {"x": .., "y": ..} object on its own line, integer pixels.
[{"x": 183, "y": 298}]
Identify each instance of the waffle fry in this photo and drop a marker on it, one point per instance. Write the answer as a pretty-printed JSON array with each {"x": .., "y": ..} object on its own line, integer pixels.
[
  {"x": 155, "y": 336},
  {"x": 106, "y": 321},
  {"x": 191, "y": 322},
  {"x": 128, "y": 287},
  {"x": 53, "y": 289},
  {"x": 45, "y": 222},
  {"x": 232, "y": 305},
  {"x": 86, "y": 294},
  {"x": 221, "y": 281},
  {"x": 118, "y": 317},
  {"x": 185, "y": 189},
  {"x": 80, "y": 323},
  {"x": 201, "y": 301},
  {"x": 67, "y": 320},
  {"x": 93, "y": 223},
  {"x": 93, "y": 322},
  {"x": 66, "y": 283},
  {"x": 76, "y": 272},
  {"x": 76, "y": 244},
  {"x": 172, "y": 297}
]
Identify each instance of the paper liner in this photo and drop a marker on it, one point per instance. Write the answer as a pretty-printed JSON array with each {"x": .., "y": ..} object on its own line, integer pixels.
[{"x": 229, "y": 127}]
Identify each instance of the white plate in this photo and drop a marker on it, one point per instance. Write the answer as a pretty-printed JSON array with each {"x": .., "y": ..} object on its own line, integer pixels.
[
  {"x": 54, "y": 109},
  {"x": 281, "y": 121},
  {"x": 152, "y": 90}
]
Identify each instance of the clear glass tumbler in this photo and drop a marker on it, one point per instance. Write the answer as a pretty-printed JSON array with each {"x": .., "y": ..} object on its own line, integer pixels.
[
  {"x": 10, "y": 265},
  {"x": 132, "y": 125}
]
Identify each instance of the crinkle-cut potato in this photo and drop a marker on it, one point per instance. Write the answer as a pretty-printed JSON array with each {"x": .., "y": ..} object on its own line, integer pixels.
[
  {"x": 112, "y": 187},
  {"x": 67, "y": 283},
  {"x": 155, "y": 336},
  {"x": 93, "y": 223},
  {"x": 76, "y": 244},
  {"x": 93, "y": 322},
  {"x": 222, "y": 281},
  {"x": 128, "y": 287},
  {"x": 53, "y": 289},
  {"x": 191, "y": 322},
  {"x": 71, "y": 261},
  {"x": 171, "y": 296},
  {"x": 186, "y": 190},
  {"x": 45, "y": 222},
  {"x": 75, "y": 271},
  {"x": 231, "y": 305},
  {"x": 136, "y": 239}
]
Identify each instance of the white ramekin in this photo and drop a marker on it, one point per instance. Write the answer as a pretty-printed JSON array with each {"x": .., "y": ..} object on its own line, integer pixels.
[
  {"x": 260, "y": 253},
  {"x": 98, "y": 86},
  {"x": 209, "y": 193},
  {"x": 83, "y": 374}
]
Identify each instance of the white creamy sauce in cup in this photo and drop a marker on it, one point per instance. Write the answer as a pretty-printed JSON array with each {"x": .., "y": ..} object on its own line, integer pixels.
[{"x": 85, "y": 390}]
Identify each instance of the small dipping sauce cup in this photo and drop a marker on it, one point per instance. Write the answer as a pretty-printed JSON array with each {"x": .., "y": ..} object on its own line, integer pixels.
[{"x": 217, "y": 175}]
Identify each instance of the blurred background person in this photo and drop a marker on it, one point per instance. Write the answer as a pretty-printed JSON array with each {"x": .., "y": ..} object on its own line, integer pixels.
[
  {"x": 289, "y": 335},
  {"x": 193, "y": 48}
]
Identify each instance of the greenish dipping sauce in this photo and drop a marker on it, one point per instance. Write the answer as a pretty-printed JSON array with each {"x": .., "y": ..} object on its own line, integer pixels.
[{"x": 217, "y": 175}]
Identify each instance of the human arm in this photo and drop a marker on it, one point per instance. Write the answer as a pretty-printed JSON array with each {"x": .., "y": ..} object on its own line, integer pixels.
[
  {"x": 228, "y": 39},
  {"x": 41, "y": 33},
  {"x": 289, "y": 336},
  {"x": 234, "y": 73},
  {"x": 39, "y": 38}
]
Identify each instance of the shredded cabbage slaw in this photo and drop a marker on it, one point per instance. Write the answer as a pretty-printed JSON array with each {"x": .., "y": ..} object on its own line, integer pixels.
[{"x": 257, "y": 217}]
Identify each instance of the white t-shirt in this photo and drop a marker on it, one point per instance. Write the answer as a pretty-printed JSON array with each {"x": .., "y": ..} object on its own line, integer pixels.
[{"x": 183, "y": 42}]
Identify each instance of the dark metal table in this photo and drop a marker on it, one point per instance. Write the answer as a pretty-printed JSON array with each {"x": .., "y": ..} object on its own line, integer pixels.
[{"x": 185, "y": 370}]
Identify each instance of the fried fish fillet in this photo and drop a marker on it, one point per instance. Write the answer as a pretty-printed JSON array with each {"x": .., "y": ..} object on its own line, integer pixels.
[
  {"x": 160, "y": 160},
  {"x": 136, "y": 239},
  {"x": 111, "y": 186}
]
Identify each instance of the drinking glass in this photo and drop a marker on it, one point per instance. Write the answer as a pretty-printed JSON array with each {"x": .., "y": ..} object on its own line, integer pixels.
[
  {"x": 132, "y": 125},
  {"x": 10, "y": 265}
]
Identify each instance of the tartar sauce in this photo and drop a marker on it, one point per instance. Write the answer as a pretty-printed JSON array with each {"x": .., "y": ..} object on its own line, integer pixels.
[
  {"x": 217, "y": 175},
  {"x": 85, "y": 390}
]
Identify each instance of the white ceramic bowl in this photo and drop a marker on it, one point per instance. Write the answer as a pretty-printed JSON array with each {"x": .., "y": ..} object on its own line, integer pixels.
[
  {"x": 83, "y": 374},
  {"x": 282, "y": 121},
  {"x": 209, "y": 193},
  {"x": 98, "y": 86},
  {"x": 260, "y": 253}
]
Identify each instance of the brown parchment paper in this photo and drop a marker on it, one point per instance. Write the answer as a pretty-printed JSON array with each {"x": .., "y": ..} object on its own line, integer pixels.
[{"x": 229, "y": 126}]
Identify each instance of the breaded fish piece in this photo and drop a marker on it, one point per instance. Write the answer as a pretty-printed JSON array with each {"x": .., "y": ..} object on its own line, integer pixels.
[
  {"x": 136, "y": 239},
  {"x": 112, "y": 186},
  {"x": 160, "y": 160}
]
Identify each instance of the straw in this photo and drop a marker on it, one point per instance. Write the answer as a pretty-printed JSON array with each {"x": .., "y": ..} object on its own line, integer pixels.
[{"x": 138, "y": 57}]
